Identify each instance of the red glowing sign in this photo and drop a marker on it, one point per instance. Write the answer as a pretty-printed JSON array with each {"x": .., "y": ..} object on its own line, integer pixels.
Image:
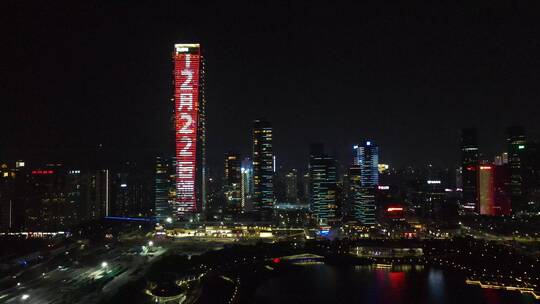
[
  {"x": 42, "y": 172},
  {"x": 276, "y": 260},
  {"x": 186, "y": 100},
  {"x": 394, "y": 209}
]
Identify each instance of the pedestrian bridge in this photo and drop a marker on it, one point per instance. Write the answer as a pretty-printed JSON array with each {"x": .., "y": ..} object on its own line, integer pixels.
[{"x": 304, "y": 258}]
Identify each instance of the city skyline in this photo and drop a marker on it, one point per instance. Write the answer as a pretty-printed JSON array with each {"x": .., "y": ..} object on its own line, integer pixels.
[
  {"x": 477, "y": 82},
  {"x": 269, "y": 152}
]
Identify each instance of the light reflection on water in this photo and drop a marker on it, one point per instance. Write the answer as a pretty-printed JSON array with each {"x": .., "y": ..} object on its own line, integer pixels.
[
  {"x": 436, "y": 285},
  {"x": 378, "y": 284}
]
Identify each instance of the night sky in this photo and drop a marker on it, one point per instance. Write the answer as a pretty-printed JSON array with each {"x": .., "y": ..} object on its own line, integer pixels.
[{"x": 75, "y": 75}]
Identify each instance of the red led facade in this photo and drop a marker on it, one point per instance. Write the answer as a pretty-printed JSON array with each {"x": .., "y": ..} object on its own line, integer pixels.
[
  {"x": 186, "y": 100},
  {"x": 486, "y": 190}
]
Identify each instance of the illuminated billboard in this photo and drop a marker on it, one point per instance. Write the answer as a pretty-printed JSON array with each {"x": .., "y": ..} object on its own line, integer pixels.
[{"x": 187, "y": 60}]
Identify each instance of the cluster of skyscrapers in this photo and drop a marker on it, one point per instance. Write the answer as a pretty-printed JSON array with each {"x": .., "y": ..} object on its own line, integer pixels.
[
  {"x": 508, "y": 184},
  {"x": 325, "y": 194},
  {"x": 54, "y": 196}
]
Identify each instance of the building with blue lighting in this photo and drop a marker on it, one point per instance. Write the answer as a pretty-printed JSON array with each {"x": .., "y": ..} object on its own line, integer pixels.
[
  {"x": 323, "y": 186},
  {"x": 367, "y": 159}
]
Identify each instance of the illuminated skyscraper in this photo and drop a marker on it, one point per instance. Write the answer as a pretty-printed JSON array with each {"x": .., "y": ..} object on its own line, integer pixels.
[
  {"x": 190, "y": 131},
  {"x": 323, "y": 186},
  {"x": 247, "y": 184},
  {"x": 486, "y": 190},
  {"x": 232, "y": 185},
  {"x": 263, "y": 171},
  {"x": 367, "y": 158},
  {"x": 469, "y": 169}
]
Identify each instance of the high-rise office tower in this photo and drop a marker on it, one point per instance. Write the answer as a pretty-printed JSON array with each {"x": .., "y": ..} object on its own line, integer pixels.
[
  {"x": 469, "y": 169},
  {"x": 486, "y": 189},
  {"x": 232, "y": 183},
  {"x": 501, "y": 183},
  {"x": 74, "y": 195},
  {"x": 190, "y": 131},
  {"x": 97, "y": 186},
  {"x": 323, "y": 186},
  {"x": 291, "y": 186},
  {"x": 517, "y": 148},
  {"x": 263, "y": 171},
  {"x": 163, "y": 188},
  {"x": 132, "y": 191},
  {"x": 50, "y": 198},
  {"x": 367, "y": 158},
  {"x": 7, "y": 196},
  {"x": 432, "y": 202},
  {"x": 353, "y": 192},
  {"x": 247, "y": 184},
  {"x": 305, "y": 195},
  {"x": 532, "y": 175}
]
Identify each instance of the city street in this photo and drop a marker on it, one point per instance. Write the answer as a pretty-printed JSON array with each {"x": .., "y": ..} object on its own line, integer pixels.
[{"x": 97, "y": 274}]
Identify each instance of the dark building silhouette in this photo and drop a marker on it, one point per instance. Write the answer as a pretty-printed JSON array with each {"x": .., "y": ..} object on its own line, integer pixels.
[
  {"x": 517, "y": 149},
  {"x": 163, "y": 188},
  {"x": 469, "y": 169},
  {"x": 232, "y": 182}
]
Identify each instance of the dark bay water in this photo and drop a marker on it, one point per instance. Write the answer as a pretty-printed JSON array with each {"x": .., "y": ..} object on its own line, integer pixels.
[{"x": 363, "y": 284}]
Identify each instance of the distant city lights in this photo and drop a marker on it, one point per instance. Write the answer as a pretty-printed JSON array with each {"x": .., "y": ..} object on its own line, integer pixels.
[{"x": 382, "y": 167}]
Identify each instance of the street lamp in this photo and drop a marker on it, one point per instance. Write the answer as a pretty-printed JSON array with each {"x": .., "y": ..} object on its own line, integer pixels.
[
  {"x": 150, "y": 243},
  {"x": 169, "y": 220},
  {"x": 104, "y": 264},
  {"x": 25, "y": 297}
]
